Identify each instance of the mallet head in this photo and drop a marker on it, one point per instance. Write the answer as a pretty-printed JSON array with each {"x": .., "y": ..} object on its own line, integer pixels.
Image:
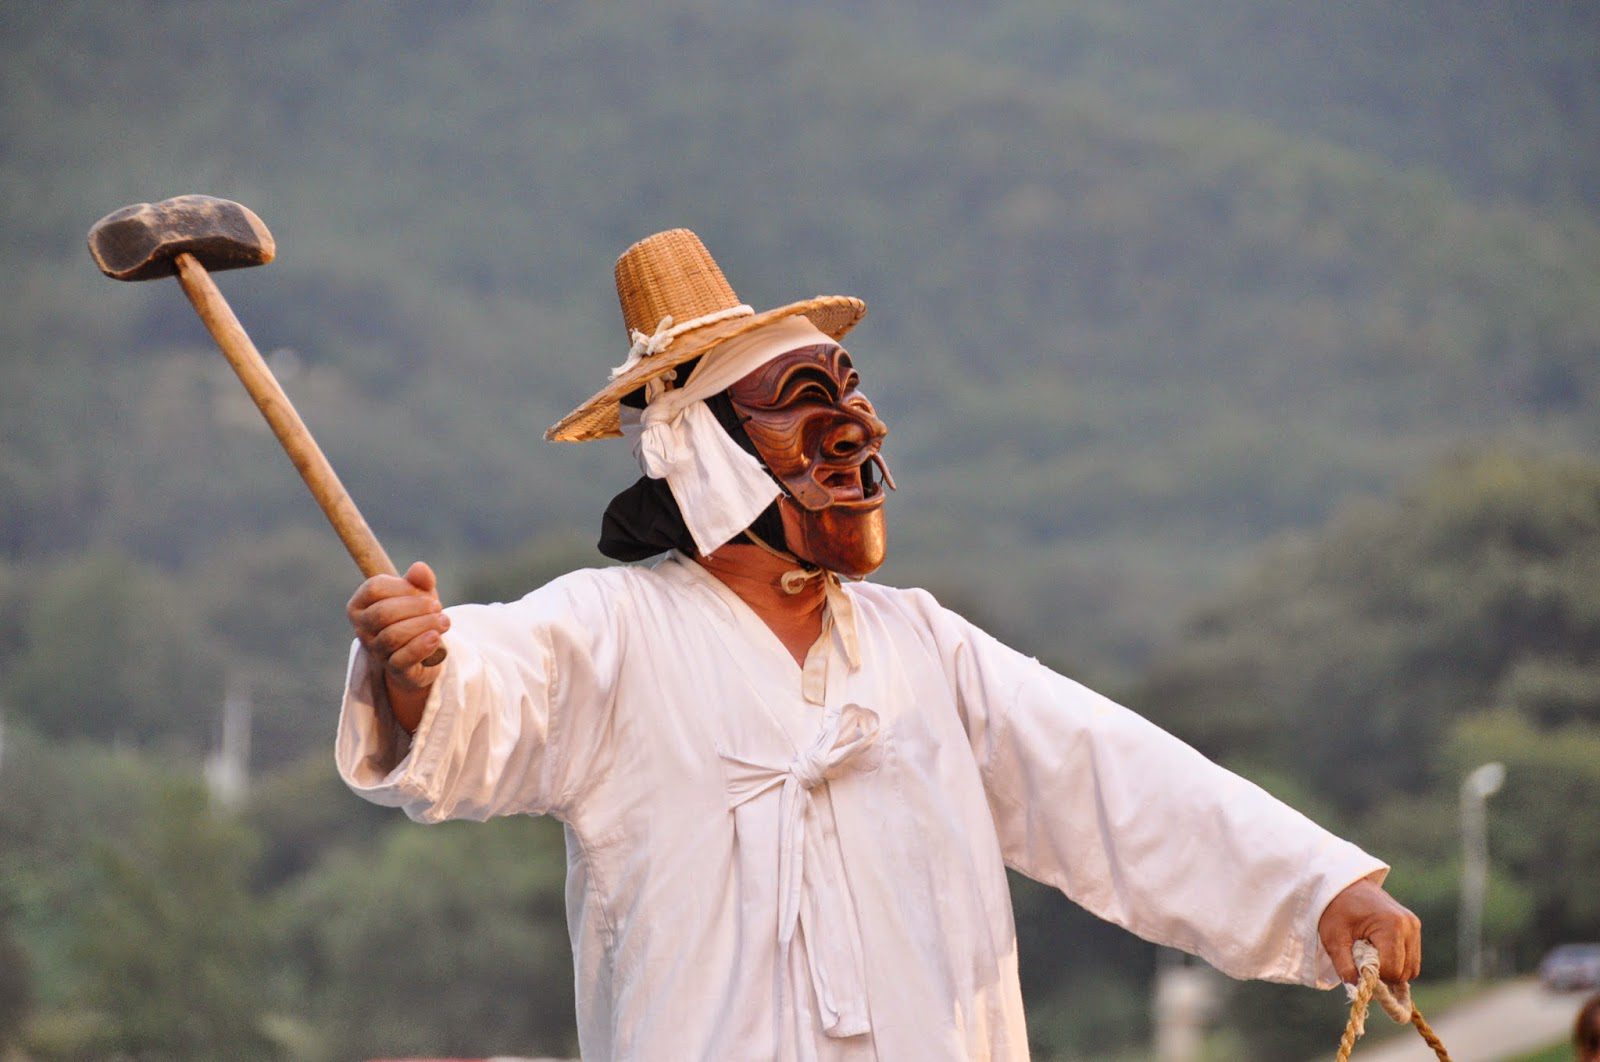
[{"x": 140, "y": 242}]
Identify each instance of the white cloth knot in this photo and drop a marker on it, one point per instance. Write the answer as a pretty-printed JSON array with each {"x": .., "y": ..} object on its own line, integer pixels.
[
  {"x": 645, "y": 346},
  {"x": 795, "y": 580},
  {"x": 847, "y": 740},
  {"x": 846, "y": 733},
  {"x": 662, "y": 446},
  {"x": 810, "y": 768}
]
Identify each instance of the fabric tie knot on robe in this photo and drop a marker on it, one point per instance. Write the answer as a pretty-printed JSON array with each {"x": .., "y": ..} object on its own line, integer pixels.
[
  {"x": 846, "y": 741},
  {"x": 845, "y": 735}
]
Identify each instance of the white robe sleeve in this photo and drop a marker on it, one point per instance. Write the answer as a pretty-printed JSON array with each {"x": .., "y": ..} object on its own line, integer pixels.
[
  {"x": 517, "y": 721},
  {"x": 1138, "y": 827}
]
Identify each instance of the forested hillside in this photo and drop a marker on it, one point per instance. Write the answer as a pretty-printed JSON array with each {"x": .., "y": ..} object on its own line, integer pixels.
[
  {"x": 1117, "y": 344},
  {"x": 1151, "y": 286},
  {"x": 1496, "y": 98}
]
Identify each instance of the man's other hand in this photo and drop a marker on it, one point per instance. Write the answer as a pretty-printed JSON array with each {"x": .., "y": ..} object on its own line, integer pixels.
[
  {"x": 400, "y": 622},
  {"x": 1365, "y": 912}
]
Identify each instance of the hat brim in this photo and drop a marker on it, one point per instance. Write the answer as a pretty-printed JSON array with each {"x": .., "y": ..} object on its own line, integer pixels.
[{"x": 600, "y": 418}]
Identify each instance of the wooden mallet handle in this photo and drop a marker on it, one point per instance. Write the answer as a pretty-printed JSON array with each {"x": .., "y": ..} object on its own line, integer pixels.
[{"x": 286, "y": 424}]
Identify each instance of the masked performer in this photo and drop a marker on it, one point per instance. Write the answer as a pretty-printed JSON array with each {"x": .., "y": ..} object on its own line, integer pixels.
[{"x": 790, "y": 796}]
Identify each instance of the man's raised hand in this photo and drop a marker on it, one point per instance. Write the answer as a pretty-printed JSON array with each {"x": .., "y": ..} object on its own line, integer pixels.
[
  {"x": 400, "y": 622},
  {"x": 1365, "y": 912}
]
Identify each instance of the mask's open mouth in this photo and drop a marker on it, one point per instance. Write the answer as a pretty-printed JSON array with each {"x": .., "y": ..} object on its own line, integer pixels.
[{"x": 860, "y": 485}]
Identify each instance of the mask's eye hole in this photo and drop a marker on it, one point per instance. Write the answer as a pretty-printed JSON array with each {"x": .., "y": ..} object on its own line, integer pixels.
[{"x": 807, "y": 385}]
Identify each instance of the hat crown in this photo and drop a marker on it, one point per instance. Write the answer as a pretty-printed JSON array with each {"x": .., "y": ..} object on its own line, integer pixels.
[{"x": 670, "y": 273}]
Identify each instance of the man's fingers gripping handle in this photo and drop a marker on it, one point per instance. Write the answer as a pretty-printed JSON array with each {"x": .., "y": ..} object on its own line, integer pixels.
[
  {"x": 400, "y": 621},
  {"x": 421, "y": 576}
]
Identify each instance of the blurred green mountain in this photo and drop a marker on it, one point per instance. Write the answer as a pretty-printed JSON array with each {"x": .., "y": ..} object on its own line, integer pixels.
[
  {"x": 1142, "y": 293},
  {"x": 1495, "y": 97}
]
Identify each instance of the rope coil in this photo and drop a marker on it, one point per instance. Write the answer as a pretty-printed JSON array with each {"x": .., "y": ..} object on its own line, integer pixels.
[{"x": 1396, "y": 1002}]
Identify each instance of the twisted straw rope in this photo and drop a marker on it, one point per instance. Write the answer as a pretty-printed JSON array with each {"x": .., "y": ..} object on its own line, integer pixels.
[{"x": 1396, "y": 1003}]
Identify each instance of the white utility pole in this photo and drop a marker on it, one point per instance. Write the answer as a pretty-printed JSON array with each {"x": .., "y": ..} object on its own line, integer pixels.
[
  {"x": 1186, "y": 999},
  {"x": 1476, "y": 789},
  {"x": 228, "y": 768}
]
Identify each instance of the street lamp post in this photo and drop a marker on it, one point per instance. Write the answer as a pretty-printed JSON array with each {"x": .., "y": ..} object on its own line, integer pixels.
[{"x": 1476, "y": 789}]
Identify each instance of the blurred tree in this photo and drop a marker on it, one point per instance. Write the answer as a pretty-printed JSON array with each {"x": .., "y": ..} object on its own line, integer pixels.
[
  {"x": 1348, "y": 658},
  {"x": 16, "y": 981},
  {"x": 1544, "y": 825},
  {"x": 172, "y": 946},
  {"x": 111, "y": 649},
  {"x": 57, "y": 803},
  {"x": 303, "y": 814},
  {"x": 12, "y": 604},
  {"x": 272, "y": 607},
  {"x": 1086, "y": 981},
  {"x": 1274, "y": 1022},
  {"x": 508, "y": 575},
  {"x": 452, "y": 940}
]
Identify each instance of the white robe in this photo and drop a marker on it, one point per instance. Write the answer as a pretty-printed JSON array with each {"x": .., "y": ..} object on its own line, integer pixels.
[{"x": 769, "y": 861}]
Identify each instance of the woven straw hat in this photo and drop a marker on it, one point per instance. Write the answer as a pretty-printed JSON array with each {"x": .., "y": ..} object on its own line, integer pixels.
[{"x": 677, "y": 305}]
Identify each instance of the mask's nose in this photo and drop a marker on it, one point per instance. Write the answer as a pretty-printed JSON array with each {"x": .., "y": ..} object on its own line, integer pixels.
[
  {"x": 844, "y": 440},
  {"x": 850, "y": 435}
]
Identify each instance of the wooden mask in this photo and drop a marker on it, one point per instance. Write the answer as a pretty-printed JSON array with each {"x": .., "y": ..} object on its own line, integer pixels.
[{"x": 820, "y": 437}]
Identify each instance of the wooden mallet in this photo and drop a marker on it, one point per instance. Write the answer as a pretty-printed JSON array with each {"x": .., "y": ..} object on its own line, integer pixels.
[{"x": 188, "y": 236}]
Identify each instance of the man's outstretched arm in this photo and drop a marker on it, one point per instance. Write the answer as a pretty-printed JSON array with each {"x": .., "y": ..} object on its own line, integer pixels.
[{"x": 1142, "y": 830}]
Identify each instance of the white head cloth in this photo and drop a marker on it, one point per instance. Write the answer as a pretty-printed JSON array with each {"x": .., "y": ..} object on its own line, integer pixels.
[{"x": 720, "y": 487}]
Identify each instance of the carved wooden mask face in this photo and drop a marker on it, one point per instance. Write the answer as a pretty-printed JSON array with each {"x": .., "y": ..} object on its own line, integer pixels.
[{"x": 820, "y": 437}]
